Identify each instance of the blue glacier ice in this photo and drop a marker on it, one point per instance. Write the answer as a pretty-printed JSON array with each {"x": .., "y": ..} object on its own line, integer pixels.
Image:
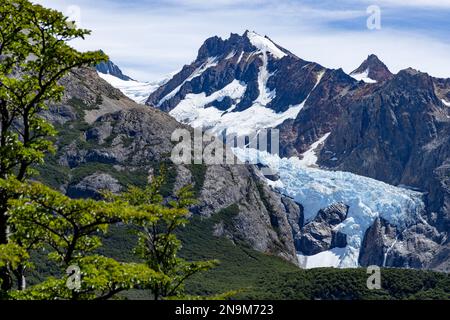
[{"x": 316, "y": 189}]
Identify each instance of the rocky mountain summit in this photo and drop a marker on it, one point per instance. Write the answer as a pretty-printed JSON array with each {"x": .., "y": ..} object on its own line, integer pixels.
[{"x": 373, "y": 69}]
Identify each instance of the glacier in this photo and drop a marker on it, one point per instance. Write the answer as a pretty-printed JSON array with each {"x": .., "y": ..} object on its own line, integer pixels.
[
  {"x": 316, "y": 189},
  {"x": 135, "y": 90}
]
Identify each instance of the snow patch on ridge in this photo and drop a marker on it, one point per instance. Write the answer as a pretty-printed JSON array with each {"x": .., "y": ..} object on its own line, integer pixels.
[
  {"x": 210, "y": 62},
  {"x": 364, "y": 76},
  {"x": 309, "y": 158},
  {"x": 330, "y": 258},
  {"x": 316, "y": 189},
  {"x": 446, "y": 103},
  {"x": 265, "y": 45},
  {"x": 265, "y": 95},
  {"x": 230, "y": 55}
]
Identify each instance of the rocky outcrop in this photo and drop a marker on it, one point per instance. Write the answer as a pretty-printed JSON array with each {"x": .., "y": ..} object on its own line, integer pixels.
[
  {"x": 320, "y": 235},
  {"x": 378, "y": 239},
  {"x": 415, "y": 247},
  {"x": 93, "y": 185}
]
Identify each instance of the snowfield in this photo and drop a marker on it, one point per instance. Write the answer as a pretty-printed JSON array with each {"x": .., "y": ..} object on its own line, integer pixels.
[
  {"x": 210, "y": 62},
  {"x": 316, "y": 189},
  {"x": 135, "y": 90},
  {"x": 363, "y": 76},
  {"x": 192, "y": 111}
]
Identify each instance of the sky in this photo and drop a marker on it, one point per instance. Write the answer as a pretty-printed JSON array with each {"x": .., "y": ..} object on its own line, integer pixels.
[{"x": 149, "y": 39}]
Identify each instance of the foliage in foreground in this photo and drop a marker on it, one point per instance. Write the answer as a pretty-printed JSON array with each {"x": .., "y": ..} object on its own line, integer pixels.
[
  {"x": 262, "y": 276},
  {"x": 70, "y": 231},
  {"x": 34, "y": 56}
]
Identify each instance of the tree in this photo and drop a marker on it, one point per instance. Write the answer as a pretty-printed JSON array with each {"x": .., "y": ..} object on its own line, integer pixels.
[
  {"x": 34, "y": 56},
  {"x": 158, "y": 245},
  {"x": 70, "y": 230}
]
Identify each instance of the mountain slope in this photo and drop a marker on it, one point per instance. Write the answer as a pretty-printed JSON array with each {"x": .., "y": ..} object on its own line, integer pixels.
[
  {"x": 400, "y": 134},
  {"x": 107, "y": 141},
  {"x": 393, "y": 129}
]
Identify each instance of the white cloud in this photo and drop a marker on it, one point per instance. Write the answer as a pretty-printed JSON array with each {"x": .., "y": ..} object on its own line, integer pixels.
[
  {"x": 396, "y": 49},
  {"x": 412, "y": 3},
  {"x": 149, "y": 41}
]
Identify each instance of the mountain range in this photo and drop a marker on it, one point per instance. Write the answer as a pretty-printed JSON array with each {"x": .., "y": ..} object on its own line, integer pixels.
[{"x": 364, "y": 163}]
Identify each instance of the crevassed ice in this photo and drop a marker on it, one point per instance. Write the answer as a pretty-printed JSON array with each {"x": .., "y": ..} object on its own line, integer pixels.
[{"x": 367, "y": 199}]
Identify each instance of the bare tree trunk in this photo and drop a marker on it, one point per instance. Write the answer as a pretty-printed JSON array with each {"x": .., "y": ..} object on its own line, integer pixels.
[
  {"x": 20, "y": 278},
  {"x": 5, "y": 277}
]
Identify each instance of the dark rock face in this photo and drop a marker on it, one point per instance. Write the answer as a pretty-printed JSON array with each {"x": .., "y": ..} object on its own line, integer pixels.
[
  {"x": 319, "y": 234},
  {"x": 378, "y": 238},
  {"x": 320, "y": 114},
  {"x": 109, "y": 67},
  {"x": 376, "y": 69},
  {"x": 399, "y": 133},
  {"x": 414, "y": 247}
]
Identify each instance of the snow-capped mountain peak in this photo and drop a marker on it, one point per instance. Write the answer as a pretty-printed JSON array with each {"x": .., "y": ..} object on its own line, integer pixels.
[
  {"x": 255, "y": 70},
  {"x": 264, "y": 44},
  {"x": 335, "y": 130}
]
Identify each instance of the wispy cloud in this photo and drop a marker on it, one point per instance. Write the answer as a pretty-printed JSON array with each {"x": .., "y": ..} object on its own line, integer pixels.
[
  {"x": 149, "y": 38},
  {"x": 413, "y": 3}
]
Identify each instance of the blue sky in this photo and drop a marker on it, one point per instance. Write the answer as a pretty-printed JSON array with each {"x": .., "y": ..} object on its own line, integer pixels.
[{"x": 151, "y": 38}]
